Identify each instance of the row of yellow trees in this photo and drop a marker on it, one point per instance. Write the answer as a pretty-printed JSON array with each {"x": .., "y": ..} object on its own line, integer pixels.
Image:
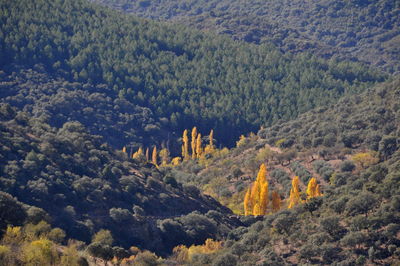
[
  {"x": 256, "y": 200},
  {"x": 197, "y": 150}
]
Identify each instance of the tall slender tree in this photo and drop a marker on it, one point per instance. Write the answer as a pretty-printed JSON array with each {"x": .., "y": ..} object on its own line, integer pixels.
[
  {"x": 154, "y": 156},
  {"x": 193, "y": 143},
  {"x": 294, "y": 198},
  {"x": 199, "y": 148},
  {"x": 185, "y": 145}
]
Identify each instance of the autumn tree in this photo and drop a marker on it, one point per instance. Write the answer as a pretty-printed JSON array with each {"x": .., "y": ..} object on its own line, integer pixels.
[
  {"x": 248, "y": 207},
  {"x": 164, "y": 154},
  {"x": 124, "y": 149},
  {"x": 193, "y": 143},
  {"x": 185, "y": 146},
  {"x": 154, "y": 156},
  {"x": 199, "y": 149},
  {"x": 138, "y": 154},
  {"x": 294, "y": 197},
  {"x": 365, "y": 159},
  {"x": 313, "y": 189},
  {"x": 147, "y": 154},
  {"x": 176, "y": 161},
  {"x": 256, "y": 199},
  {"x": 210, "y": 147}
]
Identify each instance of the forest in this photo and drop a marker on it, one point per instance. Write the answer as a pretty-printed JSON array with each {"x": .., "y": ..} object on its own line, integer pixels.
[
  {"x": 361, "y": 30},
  {"x": 138, "y": 140},
  {"x": 173, "y": 71}
]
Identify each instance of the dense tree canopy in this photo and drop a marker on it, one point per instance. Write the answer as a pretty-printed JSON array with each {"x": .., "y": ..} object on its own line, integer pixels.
[{"x": 184, "y": 77}]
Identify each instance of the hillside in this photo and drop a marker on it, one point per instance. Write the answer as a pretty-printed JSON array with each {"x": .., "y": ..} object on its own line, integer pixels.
[
  {"x": 85, "y": 186},
  {"x": 162, "y": 74},
  {"x": 284, "y": 159},
  {"x": 367, "y": 31},
  {"x": 356, "y": 219}
]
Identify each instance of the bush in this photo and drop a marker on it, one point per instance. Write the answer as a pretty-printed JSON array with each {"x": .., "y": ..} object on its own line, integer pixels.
[{"x": 347, "y": 166}]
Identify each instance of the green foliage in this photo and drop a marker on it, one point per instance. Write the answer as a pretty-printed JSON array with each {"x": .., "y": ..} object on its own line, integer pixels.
[
  {"x": 319, "y": 27},
  {"x": 103, "y": 237},
  {"x": 11, "y": 211},
  {"x": 128, "y": 88},
  {"x": 71, "y": 185}
]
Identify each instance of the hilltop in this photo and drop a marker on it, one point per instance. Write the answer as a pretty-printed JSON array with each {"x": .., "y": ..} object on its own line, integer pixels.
[{"x": 367, "y": 31}]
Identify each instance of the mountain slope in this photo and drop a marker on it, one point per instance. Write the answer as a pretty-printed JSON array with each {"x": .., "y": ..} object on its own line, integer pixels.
[
  {"x": 364, "y": 30},
  {"x": 353, "y": 150},
  {"x": 85, "y": 186},
  {"x": 184, "y": 77}
]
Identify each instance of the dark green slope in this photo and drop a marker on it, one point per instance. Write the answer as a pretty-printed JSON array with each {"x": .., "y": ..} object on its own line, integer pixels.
[
  {"x": 85, "y": 186},
  {"x": 367, "y": 31},
  {"x": 184, "y": 77}
]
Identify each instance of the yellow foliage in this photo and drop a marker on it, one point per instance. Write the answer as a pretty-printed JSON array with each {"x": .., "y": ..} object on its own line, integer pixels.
[
  {"x": 5, "y": 255},
  {"x": 70, "y": 256},
  {"x": 147, "y": 155},
  {"x": 185, "y": 146},
  {"x": 40, "y": 252},
  {"x": 181, "y": 254},
  {"x": 242, "y": 140},
  {"x": 248, "y": 203},
  {"x": 199, "y": 149},
  {"x": 365, "y": 159},
  {"x": 154, "y": 156},
  {"x": 294, "y": 198},
  {"x": 138, "y": 154},
  {"x": 176, "y": 161},
  {"x": 311, "y": 188},
  {"x": 184, "y": 255},
  {"x": 193, "y": 143},
  {"x": 211, "y": 139},
  {"x": 13, "y": 235},
  {"x": 256, "y": 198},
  {"x": 264, "y": 200},
  {"x": 124, "y": 149},
  {"x": 164, "y": 154},
  {"x": 128, "y": 261},
  {"x": 318, "y": 192}
]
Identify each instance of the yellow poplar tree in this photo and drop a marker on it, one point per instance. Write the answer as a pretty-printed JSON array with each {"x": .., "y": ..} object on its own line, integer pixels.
[
  {"x": 185, "y": 146},
  {"x": 256, "y": 199},
  {"x": 199, "y": 149},
  {"x": 164, "y": 154},
  {"x": 276, "y": 201},
  {"x": 124, "y": 149},
  {"x": 137, "y": 154},
  {"x": 193, "y": 143},
  {"x": 154, "y": 156},
  {"x": 264, "y": 198},
  {"x": 248, "y": 208},
  {"x": 311, "y": 188},
  {"x": 294, "y": 198},
  {"x": 147, "y": 154},
  {"x": 318, "y": 191}
]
